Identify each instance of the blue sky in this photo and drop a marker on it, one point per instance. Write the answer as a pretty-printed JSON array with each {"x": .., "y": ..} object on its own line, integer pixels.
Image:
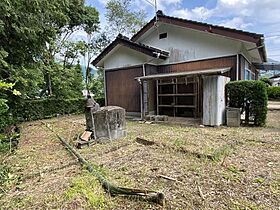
[{"x": 260, "y": 16}]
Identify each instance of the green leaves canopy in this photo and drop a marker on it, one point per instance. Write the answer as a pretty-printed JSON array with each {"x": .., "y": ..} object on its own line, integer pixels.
[{"x": 122, "y": 19}]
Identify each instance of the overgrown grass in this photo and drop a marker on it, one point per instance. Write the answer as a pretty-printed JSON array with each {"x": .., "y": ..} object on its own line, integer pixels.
[
  {"x": 4, "y": 145},
  {"x": 7, "y": 179},
  {"x": 87, "y": 188}
]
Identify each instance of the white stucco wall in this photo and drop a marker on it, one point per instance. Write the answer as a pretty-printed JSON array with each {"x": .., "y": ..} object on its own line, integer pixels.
[
  {"x": 186, "y": 45},
  {"x": 124, "y": 57},
  {"x": 183, "y": 45}
]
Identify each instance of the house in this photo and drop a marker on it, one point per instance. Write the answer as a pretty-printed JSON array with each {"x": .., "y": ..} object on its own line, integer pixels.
[
  {"x": 275, "y": 80},
  {"x": 179, "y": 67}
]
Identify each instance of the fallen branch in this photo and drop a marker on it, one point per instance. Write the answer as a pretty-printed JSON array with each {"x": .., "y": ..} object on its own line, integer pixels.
[
  {"x": 201, "y": 193},
  {"x": 170, "y": 178},
  {"x": 113, "y": 190},
  {"x": 145, "y": 142}
]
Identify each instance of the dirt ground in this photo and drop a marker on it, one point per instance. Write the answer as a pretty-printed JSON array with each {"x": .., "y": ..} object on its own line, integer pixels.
[{"x": 244, "y": 172}]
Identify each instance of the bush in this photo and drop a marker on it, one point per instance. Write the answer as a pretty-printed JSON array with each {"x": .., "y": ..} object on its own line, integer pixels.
[
  {"x": 273, "y": 92},
  {"x": 266, "y": 81},
  {"x": 26, "y": 110},
  {"x": 251, "y": 96},
  {"x": 6, "y": 120},
  {"x": 100, "y": 101}
]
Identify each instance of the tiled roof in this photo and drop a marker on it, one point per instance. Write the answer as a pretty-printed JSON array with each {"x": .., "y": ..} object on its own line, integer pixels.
[{"x": 125, "y": 41}]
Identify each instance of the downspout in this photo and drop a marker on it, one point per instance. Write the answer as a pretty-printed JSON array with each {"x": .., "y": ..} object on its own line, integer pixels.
[{"x": 237, "y": 67}]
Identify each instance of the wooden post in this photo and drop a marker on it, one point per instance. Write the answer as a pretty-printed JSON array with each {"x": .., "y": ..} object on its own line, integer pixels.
[{"x": 157, "y": 102}]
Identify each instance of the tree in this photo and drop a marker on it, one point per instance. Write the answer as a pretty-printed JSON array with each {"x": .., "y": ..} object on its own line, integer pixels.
[
  {"x": 87, "y": 19},
  {"x": 96, "y": 85},
  {"x": 32, "y": 33},
  {"x": 122, "y": 19},
  {"x": 68, "y": 82},
  {"x": 5, "y": 118}
]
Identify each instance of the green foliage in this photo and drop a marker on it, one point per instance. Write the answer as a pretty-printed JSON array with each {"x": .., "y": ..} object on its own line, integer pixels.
[
  {"x": 100, "y": 101},
  {"x": 250, "y": 96},
  {"x": 5, "y": 120},
  {"x": 3, "y": 106},
  {"x": 8, "y": 142},
  {"x": 266, "y": 81},
  {"x": 90, "y": 20},
  {"x": 7, "y": 179},
  {"x": 28, "y": 79},
  {"x": 28, "y": 25},
  {"x": 273, "y": 92},
  {"x": 4, "y": 145},
  {"x": 26, "y": 110},
  {"x": 96, "y": 85},
  {"x": 32, "y": 33},
  {"x": 5, "y": 117},
  {"x": 67, "y": 82},
  {"x": 122, "y": 19}
]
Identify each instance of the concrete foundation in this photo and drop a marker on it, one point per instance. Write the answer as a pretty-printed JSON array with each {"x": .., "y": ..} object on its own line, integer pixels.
[
  {"x": 156, "y": 118},
  {"x": 233, "y": 117}
]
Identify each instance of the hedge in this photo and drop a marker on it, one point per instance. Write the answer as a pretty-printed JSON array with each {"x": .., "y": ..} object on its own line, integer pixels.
[
  {"x": 251, "y": 96},
  {"x": 26, "y": 110},
  {"x": 273, "y": 92}
]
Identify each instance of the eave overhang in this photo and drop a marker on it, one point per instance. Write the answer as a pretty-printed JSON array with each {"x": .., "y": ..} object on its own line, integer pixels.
[
  {"x": 124, "y": 41},
  {"x": 205, "y": 72}
]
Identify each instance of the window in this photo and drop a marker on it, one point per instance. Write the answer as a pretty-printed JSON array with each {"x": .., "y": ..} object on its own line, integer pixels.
[
  {"x": 247, "y": 72},
  {"x": 163, "y": 36}
]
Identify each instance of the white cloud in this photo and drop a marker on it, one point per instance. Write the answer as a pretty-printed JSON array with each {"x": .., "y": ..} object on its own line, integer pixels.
[
  {"x": 103, "y": 1},
  {"x": 197, "y": 13},
  {"x": 236, "y": 22}
]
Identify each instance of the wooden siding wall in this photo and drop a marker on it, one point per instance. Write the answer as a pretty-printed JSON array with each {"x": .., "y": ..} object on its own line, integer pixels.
[
  {"x": 122, "y": 89},
  {"x": 223, "y": 62}
]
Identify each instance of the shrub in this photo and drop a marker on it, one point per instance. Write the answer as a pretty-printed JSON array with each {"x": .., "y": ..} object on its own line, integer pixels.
[
  {"x": 6, "y": 120},
  {"x": 26, "y": 110},
  {"x": 266, "y": 81},
  {"x": 251, "y": 96},
  {"x": 100, "y": 101},
  {"x": 273, "y": 92}
]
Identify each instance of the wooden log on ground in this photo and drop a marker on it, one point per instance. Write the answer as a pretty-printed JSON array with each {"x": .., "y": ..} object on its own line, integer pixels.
[{"x": 113, "y": 190}]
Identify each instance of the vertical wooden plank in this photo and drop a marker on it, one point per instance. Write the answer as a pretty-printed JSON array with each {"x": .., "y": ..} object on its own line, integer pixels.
[{"x": 157, "y": 102}]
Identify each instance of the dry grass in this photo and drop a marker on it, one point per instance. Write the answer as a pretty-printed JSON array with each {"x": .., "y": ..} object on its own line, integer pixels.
[{"x": 245, "y": 174}]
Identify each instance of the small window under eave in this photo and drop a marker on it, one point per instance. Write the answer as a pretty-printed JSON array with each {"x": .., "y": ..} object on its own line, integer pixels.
[{"x": 162, "y": 35}]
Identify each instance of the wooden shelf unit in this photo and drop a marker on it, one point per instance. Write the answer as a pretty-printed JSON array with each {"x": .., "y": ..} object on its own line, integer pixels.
[{"x": 178, "y": 96}]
